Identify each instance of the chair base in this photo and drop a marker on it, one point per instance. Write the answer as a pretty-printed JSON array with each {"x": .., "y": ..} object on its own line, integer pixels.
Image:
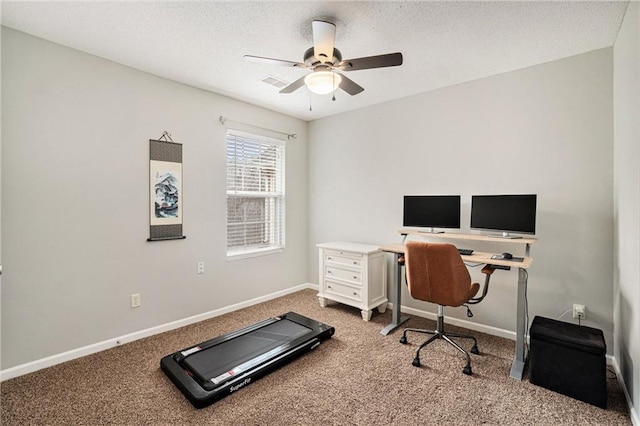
[{"x": 439, "y": 333}]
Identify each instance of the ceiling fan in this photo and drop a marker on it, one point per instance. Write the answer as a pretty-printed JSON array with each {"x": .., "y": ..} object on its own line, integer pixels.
[{"x": 323, "y": 59}]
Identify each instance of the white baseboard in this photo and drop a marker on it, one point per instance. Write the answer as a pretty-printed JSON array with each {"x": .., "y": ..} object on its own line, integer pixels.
[
  {"x": 33, "y": 366},
  {"x": 494, "y": 331},
  {"x": 39, "y": 364},
  {"x": 635, "y": 416}
]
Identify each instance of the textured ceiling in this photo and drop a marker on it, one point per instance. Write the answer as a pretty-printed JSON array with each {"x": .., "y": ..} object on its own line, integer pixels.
[{"x": 202, "y": 43}]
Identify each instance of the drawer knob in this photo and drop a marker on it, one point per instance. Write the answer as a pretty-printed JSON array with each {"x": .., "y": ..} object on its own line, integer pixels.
[
  {"x": 355, "y": 263},
  {"x": 355, "y": 294},
  {"x": 328, "y": 286},
  {"x": 329, "y": 271},
  {"x": 355, "y": 277},
  {"x": 329, "y": 258}
]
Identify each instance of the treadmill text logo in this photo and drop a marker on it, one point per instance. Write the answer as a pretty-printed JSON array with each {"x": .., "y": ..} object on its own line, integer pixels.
[{"x": 240, "y": 385}]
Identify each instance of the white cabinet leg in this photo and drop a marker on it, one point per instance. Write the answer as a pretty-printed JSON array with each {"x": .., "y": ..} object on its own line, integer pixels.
[
  {"x": 382, "y": 308},
  {"x": 366, "y": 315},
  {"x": 323, "y": 301}
]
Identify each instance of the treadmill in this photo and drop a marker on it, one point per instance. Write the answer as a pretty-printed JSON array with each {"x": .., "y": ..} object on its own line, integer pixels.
[{"x": 211, "y": 370}]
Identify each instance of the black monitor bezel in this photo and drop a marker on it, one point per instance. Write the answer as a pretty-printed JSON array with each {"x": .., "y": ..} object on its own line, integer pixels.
[
  {"x": 528, "y": 229},
  {"x": 420, "y": 224}
]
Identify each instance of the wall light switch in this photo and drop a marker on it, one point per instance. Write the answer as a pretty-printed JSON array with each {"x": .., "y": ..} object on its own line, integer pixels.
[{"x": 201, "y": 267}]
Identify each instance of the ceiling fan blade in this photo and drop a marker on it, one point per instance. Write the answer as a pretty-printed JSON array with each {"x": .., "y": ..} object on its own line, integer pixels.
[
  {"x": 350, "y": 86},
  {"x": 274, "y": 61},
  {"x": 379, "y": 61},
  {"x": 294, "y": 86},
  {"x": 324, "y": 35}
]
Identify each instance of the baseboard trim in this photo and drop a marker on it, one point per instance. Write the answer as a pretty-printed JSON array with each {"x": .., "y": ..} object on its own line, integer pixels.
[
  {"x": 50, "y": 361},
  {"x": 494, "y": 331},
  {"x": 633, "y": 413}
]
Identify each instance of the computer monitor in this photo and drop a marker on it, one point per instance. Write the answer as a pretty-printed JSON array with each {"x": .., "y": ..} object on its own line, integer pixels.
[
  {"x": 431, "y": 211},
  {"x": 505, "y": 213}
]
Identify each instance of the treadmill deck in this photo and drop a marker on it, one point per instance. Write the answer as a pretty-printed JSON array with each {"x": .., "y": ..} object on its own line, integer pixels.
[{"x": 211, "y": 370}]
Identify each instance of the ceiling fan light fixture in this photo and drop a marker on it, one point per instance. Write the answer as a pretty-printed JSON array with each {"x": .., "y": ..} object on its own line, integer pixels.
[{"x": 322, "y": 82}]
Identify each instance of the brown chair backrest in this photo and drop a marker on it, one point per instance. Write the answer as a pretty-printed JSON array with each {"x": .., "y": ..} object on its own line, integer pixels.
[{"x": 437, "y": 274}]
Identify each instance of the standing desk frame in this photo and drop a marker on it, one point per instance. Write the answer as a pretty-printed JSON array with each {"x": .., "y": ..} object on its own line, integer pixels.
[{"x": 517, "y": 367}]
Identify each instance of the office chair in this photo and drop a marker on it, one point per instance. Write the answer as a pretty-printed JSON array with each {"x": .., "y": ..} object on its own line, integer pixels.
[{"x": 436, "y": 273}]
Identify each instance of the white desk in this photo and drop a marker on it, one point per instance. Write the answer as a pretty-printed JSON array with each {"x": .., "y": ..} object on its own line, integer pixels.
[{"x": 517, "y": 368}]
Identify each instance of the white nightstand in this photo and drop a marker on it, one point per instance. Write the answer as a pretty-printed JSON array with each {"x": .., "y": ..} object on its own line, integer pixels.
[{"x": 353, "y": 274}]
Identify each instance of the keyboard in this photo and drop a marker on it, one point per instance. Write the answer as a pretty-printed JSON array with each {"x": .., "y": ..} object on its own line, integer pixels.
[{"x": 465, "y": 252}]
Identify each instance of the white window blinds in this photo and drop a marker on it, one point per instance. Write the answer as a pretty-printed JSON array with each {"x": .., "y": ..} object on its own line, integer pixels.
[{"x": 255, "y": 193}]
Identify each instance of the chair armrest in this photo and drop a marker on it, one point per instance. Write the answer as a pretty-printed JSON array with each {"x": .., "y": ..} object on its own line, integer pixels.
[{"x": 487, "y": 270}]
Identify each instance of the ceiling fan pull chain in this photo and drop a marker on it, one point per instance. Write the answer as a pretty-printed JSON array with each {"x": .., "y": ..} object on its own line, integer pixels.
[
  {"x": 333, "y": 98},
  {"x": 310, "y": 96}
]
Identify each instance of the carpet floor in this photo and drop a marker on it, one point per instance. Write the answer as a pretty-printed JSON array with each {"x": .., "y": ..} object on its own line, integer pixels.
[{"x": 358, "y": 377}]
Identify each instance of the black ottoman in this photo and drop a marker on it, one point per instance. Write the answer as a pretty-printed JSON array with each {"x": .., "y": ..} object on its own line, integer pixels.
[{"x": 569, "y": 359}]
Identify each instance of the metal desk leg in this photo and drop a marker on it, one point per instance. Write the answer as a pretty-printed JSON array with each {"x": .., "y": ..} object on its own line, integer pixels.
[
  {"x": 517, "y": 368},
  {"x": 396, "y": 319}
]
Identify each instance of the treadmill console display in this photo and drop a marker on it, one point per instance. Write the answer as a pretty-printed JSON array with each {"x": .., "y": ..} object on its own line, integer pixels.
[{"x": 211, "y": 370}]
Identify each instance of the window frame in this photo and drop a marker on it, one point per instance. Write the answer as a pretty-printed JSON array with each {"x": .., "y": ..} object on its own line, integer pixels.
[{"x": 278, "y": 195}]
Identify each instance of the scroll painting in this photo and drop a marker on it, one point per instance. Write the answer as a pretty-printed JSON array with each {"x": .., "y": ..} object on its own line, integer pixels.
[{"x": 165, "y": 190}]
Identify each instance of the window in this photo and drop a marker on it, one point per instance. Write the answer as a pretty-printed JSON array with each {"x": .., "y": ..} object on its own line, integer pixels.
[{"x": 255, "y": 194}]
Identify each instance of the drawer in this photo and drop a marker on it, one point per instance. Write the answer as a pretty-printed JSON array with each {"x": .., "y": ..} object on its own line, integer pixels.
[
  {"x": 343, "y": 258},
  {"x": 353, "y": 277},
  {"x": 343, "y": 290}
]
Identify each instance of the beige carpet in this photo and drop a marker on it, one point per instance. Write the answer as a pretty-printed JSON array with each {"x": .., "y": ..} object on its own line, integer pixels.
[{"x": 358, "y": 377}]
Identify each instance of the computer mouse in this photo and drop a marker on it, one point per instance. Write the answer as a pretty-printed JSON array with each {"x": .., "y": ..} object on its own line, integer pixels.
[{"x": 507, "y": 256}]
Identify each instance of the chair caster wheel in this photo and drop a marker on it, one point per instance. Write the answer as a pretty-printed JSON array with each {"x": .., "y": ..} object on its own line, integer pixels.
[
  {"x": 416, "y": 362},
  {"x": 467, "y": 370},
  {"x": 403, "y": 340},
  {"x": 474, "y": 350}
]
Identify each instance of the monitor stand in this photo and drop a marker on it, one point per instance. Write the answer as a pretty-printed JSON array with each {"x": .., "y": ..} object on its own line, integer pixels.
[
  {"x": 505, "y": 235},
  {"x": 430, "y": 231}
]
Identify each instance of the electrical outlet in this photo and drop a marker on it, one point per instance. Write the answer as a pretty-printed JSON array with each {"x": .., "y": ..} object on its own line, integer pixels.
[
  {"x": 201, "y": 267},
  {"x": 579, "y": 311},
  {"x": 135, "y": 300}
]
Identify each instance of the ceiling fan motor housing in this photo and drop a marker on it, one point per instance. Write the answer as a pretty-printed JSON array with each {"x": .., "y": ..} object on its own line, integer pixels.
[{"x": 311, "y": 61}]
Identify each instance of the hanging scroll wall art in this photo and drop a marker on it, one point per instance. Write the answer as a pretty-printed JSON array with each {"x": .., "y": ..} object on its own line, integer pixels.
[{"x": 165, "y": 189}]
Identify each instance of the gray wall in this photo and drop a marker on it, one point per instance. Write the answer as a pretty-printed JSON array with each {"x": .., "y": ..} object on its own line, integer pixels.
[
  {"x": 627, "y": 201},
  {"x": 75, "y": 131},
  {"x": 545, "y": 130}
]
